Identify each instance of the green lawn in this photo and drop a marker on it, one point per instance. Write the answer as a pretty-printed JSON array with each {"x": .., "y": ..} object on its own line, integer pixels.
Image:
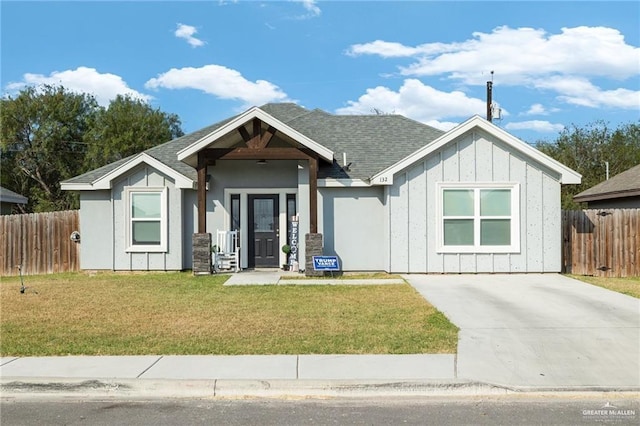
[
  {"x": 177, "y": 313},
  {"x": 629, "y": 286}
]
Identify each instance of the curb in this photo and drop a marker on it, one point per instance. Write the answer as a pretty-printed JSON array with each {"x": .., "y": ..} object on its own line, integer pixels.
[
  {"x": 56, "y": 388},
  {"x": 150, "y": 388}
]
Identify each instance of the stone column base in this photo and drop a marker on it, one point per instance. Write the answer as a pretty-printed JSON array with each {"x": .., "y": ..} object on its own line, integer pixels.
[
  {"x": 201, "y": 254},
  {"x": 313, "y": 244}
]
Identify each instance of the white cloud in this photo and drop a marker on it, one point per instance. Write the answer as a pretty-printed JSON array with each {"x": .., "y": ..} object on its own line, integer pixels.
[
  {"x": 535, "y": 125},
  {"x": 382, "y": 48},
  {"x": 311, "y": 7},
  {"x": 537, "y": 109},
  {"x": 388, "y": 49},
  {"x": 417, "y": 101},
  {"x": 186, "y": 32},
  {"x": 104, "y": 87},
  {"x": 580, "y": 91},
  {"x": 220, "y": 81},
  {"x": 529, "y": 57}
]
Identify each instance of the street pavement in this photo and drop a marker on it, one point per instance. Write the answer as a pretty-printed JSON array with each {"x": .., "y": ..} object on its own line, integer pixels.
[{"x": 534, "y": 332}]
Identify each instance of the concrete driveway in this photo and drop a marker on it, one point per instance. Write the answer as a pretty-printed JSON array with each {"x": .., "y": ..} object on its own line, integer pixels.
[{"x": 539, "y": 330}]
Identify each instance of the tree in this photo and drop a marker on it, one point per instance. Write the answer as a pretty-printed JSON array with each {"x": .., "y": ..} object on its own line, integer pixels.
[
  {"x": 41, "y": 143},
  {"x": 50, "y": 134},
  {"x": 588, "y": 149},
  {"x": 128, "y": 126}
]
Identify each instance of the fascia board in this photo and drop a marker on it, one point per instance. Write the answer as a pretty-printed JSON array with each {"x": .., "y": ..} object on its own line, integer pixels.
[
  {"x": 342, "y": 183},
  {"x": 76, "y": 186},
  {"x": 255, "y": 112},
  {"x": 567, "y": 175},
  {"x": 606, "y": 195},
  {"x": 105, "y": 182},
  {"x": 13, "y": 199}
]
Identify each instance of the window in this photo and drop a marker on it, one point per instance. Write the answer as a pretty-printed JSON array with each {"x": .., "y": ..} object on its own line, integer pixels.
[
  {"x": 146, "y": 219},
  {"x": 480, "y": 218},
  {"x": 235, "y": 212}
]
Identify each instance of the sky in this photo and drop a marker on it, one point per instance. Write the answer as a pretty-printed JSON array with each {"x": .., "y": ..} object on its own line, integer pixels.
[{"x": 553, "y": 64}]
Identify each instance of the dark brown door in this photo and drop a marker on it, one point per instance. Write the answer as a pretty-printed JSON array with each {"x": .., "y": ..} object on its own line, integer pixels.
[{"x": 263, "y": 231}]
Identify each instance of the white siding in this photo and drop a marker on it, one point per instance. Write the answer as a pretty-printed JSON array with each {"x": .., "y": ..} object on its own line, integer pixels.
[
  {"x": 417, "y": 209},
  {"x": 474, "y": 157},
  {"x": 398, "y": 224}
]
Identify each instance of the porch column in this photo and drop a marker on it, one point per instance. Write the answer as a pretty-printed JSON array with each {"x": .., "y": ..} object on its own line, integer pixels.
[
  {"x": 313, "y": 195},
  {"x": 202, "y": 193}
]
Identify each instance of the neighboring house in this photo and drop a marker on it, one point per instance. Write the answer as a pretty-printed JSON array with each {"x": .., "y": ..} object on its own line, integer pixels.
[
  {"x": 387, "y": 194},
  {"x": 622, "y": 191},
  {"x": 9, "y": 200}
]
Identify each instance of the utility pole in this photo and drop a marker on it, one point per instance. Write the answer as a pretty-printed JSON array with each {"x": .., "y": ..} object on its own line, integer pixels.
[{"x": 489, "y": 99}]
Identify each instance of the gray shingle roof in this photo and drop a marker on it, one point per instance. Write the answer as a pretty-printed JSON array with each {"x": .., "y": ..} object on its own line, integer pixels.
[
  {"x": 8, "y": 196},
  {"x": 624, "y": 184},
  {"x": 371, "y": 142}
]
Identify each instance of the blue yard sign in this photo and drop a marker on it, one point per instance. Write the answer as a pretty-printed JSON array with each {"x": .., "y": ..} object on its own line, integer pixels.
[{"x": 326, "y": 263}]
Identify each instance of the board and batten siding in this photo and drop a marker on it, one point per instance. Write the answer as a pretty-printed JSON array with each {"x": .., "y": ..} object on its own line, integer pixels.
[
  {"x": 476, "y": 156},
  {"x": 103, "y": 226}
]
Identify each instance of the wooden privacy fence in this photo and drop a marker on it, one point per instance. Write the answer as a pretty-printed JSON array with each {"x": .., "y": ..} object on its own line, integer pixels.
[
  {"x": 40, "y": 242},
  {"x": 604, "y": 242}
]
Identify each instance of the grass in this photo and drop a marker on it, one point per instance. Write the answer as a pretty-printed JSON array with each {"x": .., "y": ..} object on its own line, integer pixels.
[
  {"x": 177, "y": 313},
  {"x": 629, "y": 286}
]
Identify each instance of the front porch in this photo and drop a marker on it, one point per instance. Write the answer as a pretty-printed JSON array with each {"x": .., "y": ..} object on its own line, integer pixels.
[{"x": 256, "y": 183}]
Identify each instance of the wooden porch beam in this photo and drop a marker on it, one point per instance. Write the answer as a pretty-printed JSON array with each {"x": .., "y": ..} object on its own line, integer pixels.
[
  {"x": 255, "y": 154},
  {"x": 313, "y": 195},
  {"x": 255, "y": 138},
  {"x": 266, "y": 138},
  {"x": 246, "y": 137},
  {"x": 202, "y": 192}
]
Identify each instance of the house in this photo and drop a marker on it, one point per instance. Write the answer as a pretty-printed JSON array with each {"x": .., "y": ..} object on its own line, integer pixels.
[
  {"x": 622, "y": 191},
  {"x": 380, "y": 192},
  {"x": 9, "y": 200}
]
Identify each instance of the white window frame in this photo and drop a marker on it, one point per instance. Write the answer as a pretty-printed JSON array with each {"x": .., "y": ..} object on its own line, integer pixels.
[
  {"x": 514, "y": 247},
  {"x": 160, "y": 248}
]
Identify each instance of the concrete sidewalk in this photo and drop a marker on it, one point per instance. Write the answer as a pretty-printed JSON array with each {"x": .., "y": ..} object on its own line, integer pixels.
[
  {"x": 240, "y": 367},
  {"x": 277, "y": 277},
  {"x": 234, "y": 376}
]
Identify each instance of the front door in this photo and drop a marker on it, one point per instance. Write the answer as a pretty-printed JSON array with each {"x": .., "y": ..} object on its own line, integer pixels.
[{"x": 263, "y": 231}]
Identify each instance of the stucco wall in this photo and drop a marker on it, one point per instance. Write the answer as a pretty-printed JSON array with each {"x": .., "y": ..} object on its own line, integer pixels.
[
  {"x": 474, "y": 157},
  {"x": 352, "y": 224}
]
